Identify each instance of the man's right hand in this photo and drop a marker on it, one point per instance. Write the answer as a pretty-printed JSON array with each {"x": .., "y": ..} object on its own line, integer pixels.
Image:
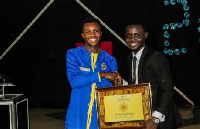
[
  {"x": 108, "y": 75},
  {"x": 112, "y": 76}
]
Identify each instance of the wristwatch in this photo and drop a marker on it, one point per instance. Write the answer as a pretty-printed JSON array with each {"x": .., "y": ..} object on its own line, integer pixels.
[{"x": 156, "y": 120}]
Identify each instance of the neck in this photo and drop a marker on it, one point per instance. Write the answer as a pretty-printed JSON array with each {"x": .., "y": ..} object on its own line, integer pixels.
[
  {"x": 137, "y": 50},
  {"x": 93, "y": 49}
]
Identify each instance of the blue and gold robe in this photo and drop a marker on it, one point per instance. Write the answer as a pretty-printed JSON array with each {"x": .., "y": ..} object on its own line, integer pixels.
[{"x": 81, "y": 77}]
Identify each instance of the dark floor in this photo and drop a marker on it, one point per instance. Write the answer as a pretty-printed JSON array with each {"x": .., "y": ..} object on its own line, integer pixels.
[{"x": 41, "y": 118}]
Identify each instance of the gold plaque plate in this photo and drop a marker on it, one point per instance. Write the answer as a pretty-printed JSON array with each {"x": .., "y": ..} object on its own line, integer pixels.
[{"x": 115, "y": 106}]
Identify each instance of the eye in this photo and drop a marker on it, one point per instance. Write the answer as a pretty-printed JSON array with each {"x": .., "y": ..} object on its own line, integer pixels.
[
  {"x": 87, "y": 32},
  {"x": 128, "y": 36},
  {"x": 97, "y": 31},
  {"x": 137, "y": 35}
]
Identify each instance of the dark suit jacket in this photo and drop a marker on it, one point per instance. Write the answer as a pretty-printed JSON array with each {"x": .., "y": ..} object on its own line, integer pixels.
[{"x": 154, "y": 68}]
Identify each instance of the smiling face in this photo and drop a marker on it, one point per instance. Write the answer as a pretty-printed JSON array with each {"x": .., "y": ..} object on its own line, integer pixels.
[
  {"x": 135, "y": 37},
  {"x": 91, "y": 34}
]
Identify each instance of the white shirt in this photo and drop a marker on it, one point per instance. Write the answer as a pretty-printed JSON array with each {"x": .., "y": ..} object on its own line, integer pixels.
[{"x": 138, "y": 56}]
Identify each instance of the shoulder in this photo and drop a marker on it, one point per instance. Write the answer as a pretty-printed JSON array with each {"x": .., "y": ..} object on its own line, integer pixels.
[
  {"x": 158, "y": 55},
  {"x": 152, "y": 52},
  {"x": 106, "y": 54},
  {"x": 75, "y": 50},
  {"x": 159, "y": 59},
  {"x": 74, "y": 53},
  {"x": 154, "y": 56}
]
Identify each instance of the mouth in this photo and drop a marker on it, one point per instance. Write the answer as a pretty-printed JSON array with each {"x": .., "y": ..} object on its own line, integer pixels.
[
  {"x": 93, "y": 40},
  {"x": 132, "y": 44}
]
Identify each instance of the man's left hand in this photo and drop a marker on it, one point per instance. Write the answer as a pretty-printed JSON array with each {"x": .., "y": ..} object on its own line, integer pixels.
[
  {"x": 117, "y": 80},
  {"x": 150, "y": 124}
]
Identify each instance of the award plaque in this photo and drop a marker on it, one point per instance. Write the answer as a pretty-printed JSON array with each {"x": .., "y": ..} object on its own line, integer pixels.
[{"x": 124, "y": 107}]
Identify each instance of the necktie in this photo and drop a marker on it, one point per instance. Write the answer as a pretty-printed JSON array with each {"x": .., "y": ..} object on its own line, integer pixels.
[{"x": 134, "y": 70}]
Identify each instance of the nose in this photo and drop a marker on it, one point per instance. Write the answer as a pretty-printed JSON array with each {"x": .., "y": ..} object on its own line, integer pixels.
[
  {"x": 133, "y": 39},
  {"x": 92, "y": 33}
]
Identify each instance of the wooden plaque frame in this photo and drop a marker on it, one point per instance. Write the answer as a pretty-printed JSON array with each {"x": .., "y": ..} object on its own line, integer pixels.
[{"x": 143, "y": 88}]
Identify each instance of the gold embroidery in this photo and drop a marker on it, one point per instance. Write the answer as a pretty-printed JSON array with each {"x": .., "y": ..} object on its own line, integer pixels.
[{"x": 84, "y": 69}]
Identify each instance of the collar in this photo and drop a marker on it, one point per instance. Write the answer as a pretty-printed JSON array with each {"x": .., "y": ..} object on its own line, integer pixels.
[
  {"x": 138, "y": 54},
  {"x": 83, "y": 47}
]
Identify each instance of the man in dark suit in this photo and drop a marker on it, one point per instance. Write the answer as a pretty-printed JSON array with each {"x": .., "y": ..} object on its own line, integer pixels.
[{"x": 151, "y": 66}]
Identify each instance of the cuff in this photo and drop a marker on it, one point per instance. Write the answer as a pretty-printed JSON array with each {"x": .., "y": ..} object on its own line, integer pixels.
[
  {"x": 159, "y": 115},
  {"x": 99, "y": 77},
  {"x": 124, "y": 82}
]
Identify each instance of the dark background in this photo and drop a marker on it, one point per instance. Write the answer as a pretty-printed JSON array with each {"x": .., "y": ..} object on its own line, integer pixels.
[{"x": 36, "y": 64}]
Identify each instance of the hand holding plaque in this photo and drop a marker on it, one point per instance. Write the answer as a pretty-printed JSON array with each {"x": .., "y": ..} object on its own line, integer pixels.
[{"x": 124, "y": 107}]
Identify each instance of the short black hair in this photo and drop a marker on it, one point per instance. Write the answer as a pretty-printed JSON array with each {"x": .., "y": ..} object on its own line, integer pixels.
[
  {"x": 137, "y": 21},
  {"x": 89, "y": 20}
]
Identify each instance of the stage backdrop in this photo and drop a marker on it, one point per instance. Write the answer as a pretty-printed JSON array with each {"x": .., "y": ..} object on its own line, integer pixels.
[{"x": 37, "y": 65}]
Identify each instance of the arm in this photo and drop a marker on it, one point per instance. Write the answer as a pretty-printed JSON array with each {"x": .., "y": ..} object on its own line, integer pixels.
[
  {"x": 112, "y": 76},
  {"x": 163, "y": 74},
  {"x": 115, "y": 77},
  {"x": 160, "y": 68},
  {"x": 74, "y": 75},
  {"x": 108, "y": 75}
]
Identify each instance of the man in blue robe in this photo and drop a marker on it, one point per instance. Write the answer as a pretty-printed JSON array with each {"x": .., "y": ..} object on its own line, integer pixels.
[{"x": 88, "y": 67}]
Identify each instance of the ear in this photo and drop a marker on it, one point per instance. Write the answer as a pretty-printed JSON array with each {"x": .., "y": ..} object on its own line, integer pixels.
[
  {"x": 82, "y": 35},
  {"x": 146, "y": 34}
]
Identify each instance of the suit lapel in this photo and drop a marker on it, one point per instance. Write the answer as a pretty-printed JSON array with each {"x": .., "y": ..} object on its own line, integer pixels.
[
  {"x": 142, "y": 59},
  {"x": 130, "y": 68}
]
